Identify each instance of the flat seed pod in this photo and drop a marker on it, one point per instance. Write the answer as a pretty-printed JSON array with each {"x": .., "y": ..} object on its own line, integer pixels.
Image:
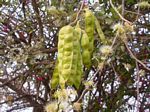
[
  {"x": 76, "y": 62},
  {"x": 78, "y": 31},
  {"x": 100, "y": 32},
  {"x": 86, "y": 58},
  {"x": 65, "y": 53},
  {"x": 69, "y": 58},
  {"x": 86, "y": 48},
  {"x": 85, "y": 40},
  {"x": 89, "y": 27},
  {"x": 55, "y": 77}
]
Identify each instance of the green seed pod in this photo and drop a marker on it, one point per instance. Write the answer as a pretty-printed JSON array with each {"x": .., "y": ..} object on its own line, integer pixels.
[
  {"x": 55, "y": 77},
  {"x": 65, "y": 47},
  {"x": 77, "y": 72},
  {"x": 85, "y": 40},
  {"x": 100, "y": 32},
  {"x": 86, "y": 58},
  {"x": 78, "y": 31},
  {"x": 86, "y": 54},
  {"x": 69, "y": 69},
  {"x": 89, "y": 27}
]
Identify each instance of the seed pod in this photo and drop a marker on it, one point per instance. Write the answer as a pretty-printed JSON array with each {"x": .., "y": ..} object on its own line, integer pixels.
[
  {"x": 69, "y": 58},
  {"x": 89, "y": 28},
  {"x": 85, "y": 41},
  {"x": 55, "y": 77},
  {"x": 86, "y": 54},
  {"x": 100, "y": 32},
  {"x": 78, "y": 31},
  {"x": 76, "y": 67},
  {"x": 86, "y": 58},
  {"x": 65, "y": 47}
]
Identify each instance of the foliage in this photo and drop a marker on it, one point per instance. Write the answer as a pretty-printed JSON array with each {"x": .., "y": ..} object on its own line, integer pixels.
[{"x": 108, "y": 71}]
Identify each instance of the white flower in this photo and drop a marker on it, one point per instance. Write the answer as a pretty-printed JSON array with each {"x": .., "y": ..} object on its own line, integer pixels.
[
  {"x": 119, "y": 29},
  {"x": 106, "y": 49},
  {"x": 61, "y": 94},
  {"x": 52, "y": 107}
]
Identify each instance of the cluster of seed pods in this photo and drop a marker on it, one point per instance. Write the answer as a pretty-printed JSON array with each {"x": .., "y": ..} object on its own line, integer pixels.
[
  {"x": 75, "y": 48},
  {"x": 69, "y": 67}
]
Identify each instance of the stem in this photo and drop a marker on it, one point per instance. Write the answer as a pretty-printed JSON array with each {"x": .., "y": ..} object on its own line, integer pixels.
[
  {"x": 38, "y": 17},
  {"x": 137, "y": 87},
  {"x": 132, "y": 55},
  {"x": 119, "y": 13},
  {"x": 81, "y": 7},
  {"x": 138, "y": 11}
]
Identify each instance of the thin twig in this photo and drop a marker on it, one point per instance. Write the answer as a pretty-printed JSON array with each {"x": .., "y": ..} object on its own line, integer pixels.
[
  {"x": 134, "y": 57},
  {"x": 115, "y": 72},
  {"x": 133, "y": 12},
  {"x": 138, "y": 11},
  {"x": 81, "y": 7},
  {"x": 114, "y": 40},
  {"x": 123, "y": 2},
  {"x": 137, "y": 87},
  {"x": 83, "y": 93},
  {"x": 119, "y": 13},
  {"x": 38, "y": 17},
  {"x": 5, "y": 81},
  {"x": 94, "y": 75}
]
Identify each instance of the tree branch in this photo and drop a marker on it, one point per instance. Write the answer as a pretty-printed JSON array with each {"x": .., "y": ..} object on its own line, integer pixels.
[
  {"x": 36, "y": 10},
  {"x": 132, "y": 55}
]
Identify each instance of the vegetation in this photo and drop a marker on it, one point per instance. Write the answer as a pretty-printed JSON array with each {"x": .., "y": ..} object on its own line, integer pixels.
[{"x": 80, "y": 55}]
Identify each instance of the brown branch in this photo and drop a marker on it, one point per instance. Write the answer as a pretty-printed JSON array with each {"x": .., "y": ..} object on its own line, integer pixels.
[
  {"x": 36, "y": 10},
  {"x": 81, "y": 7},
  {"x": 15, "y": 99},
  {"x": 134, "y": 57},
  {"x": 83, "y": 93},
  {"x": 137, "y": 88},
  {"x": 138, "y": 11},
  {"x": 23, "y": 81},
  {"x": 5, "y": 81},
  {"x": 18, "y": 107},
  {"x": 133, "y": 12},
  {"x": 119, "y": 13},
  {"x": 20, "y": 92}
]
